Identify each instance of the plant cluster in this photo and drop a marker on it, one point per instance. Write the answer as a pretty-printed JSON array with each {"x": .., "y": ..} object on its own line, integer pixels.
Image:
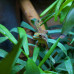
[{"x": 58, "y": 59}]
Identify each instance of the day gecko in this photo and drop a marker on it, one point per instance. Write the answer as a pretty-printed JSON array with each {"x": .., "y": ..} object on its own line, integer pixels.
[{"x": 41, "y": 35}]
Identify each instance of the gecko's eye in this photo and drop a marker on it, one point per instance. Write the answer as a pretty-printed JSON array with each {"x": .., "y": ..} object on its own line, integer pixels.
[{"x": 40, "y": 36}]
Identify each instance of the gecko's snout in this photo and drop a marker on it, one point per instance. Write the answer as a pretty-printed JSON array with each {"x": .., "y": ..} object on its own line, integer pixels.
[{"x": 35, "y": 37}]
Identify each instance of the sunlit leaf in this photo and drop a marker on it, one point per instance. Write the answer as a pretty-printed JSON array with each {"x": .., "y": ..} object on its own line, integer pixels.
[
  {"x": 51, "y": 58},
  {"x": 47, "y": 9},
  {"x": 65, "y": 4},
  {"x": 22, "y": 33},
  {"x": 41, "y": 54},
  {"x": 16, "y": 30},
  {"x": 35, "y": 53},
  {"x": 31, "y": 67},
  {"x": 6, "y": 33},
  {"x": 57, "y": 9}
]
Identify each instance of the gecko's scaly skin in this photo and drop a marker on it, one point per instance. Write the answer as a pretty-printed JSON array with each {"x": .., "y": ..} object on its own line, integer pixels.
[
  {"x": 41, "y": 35},
  {"x": 42, "y": 38}
]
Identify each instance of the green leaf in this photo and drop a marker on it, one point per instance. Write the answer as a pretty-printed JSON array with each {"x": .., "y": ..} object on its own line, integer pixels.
[
  {"x": 64, "y": 4},
  {"x": 14, "y": 30},
  {"x": 59, "y": 45},
  {"x": 22, "y": 33},
  {"x": 61, "y": 67},
  {"x": 29, "y": 36},
  {"x": 41, "y": 54},
  {"x": 17, "y": 68},
  {"x": 52, "y": 59},
  {"x": 45, "y": 17},
  {"x": 9, "y": 61},
  {"x": 57, "y": 9},
  {"x": 2, "y": 39},
  {"x": 48, "y": 9},
  {"x": 3, "y": 53},
  {"x": 58, "y": 57},
  {"x": 20, "y": 61},
  {"x": 68, "y": 65},
  {"x": 64, "y": 13},
  {"x": 31, "y": 67},
  {"x": 35, "y": 53},
  {"x": 49, "y": 52},
  {"x": 54, "y": 31},
  {"x": 69, "y": 22},
  {"x": 35, "y": 21},
  {"x": 31, "y": 44},
  {"x": 50, "y": 72},
  {"x": 72, "y": 41},
  {"x": 72, "y": 33},
  {"x": 48, "y": 18},
  {"x": 26, "y": 25},
  {"x": 6, "y": 33}
]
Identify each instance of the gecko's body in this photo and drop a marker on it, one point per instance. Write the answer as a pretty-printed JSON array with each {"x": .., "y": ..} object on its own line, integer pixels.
[{"x": 41, "y": 35}]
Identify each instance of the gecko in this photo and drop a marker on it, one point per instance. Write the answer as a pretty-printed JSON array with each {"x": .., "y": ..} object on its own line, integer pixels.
[{"x": 41, "y": 35}]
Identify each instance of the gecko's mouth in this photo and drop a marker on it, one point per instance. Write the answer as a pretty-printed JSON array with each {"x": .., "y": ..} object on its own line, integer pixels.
[{"x": 35, "y": 37}]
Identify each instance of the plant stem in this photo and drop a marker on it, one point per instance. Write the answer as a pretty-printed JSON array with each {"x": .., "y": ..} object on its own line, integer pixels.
[
  {"x": 48, "y": 18},
  {"x": 49, "y": 52},
  {"x": 24, "y": 53}
]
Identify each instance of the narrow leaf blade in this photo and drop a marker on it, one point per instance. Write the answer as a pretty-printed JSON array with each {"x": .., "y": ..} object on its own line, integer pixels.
[
  {"x": 35, "y": 53},
  {"x": 22, "y": 33}
]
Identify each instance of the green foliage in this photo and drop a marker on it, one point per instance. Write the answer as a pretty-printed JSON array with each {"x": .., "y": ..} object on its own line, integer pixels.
[
  {"x": 9, "y": 61},
  {"x": 22, "y": 33},
  {"x": 59, "y": 59},
  {"x": 58, "y": 8},
  {"x": 35, "y": 53},
  {"x": 49, "y": 8},
  {"x": 6, "y": 33},
  {"x": 31, "y": 67},
  {"x": 2, "y": 39},
  {"x": 26, "y": 25},
  {"x": 69, "y": 22},
  {"x": 49, "y": 52},
  {"x": 68, "y": 65}
]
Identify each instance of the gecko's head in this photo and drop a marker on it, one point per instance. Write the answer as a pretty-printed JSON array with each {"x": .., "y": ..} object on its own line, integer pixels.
[
  {"x": 36, "y": 36},
  {"x": 39, "y": 36}
]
